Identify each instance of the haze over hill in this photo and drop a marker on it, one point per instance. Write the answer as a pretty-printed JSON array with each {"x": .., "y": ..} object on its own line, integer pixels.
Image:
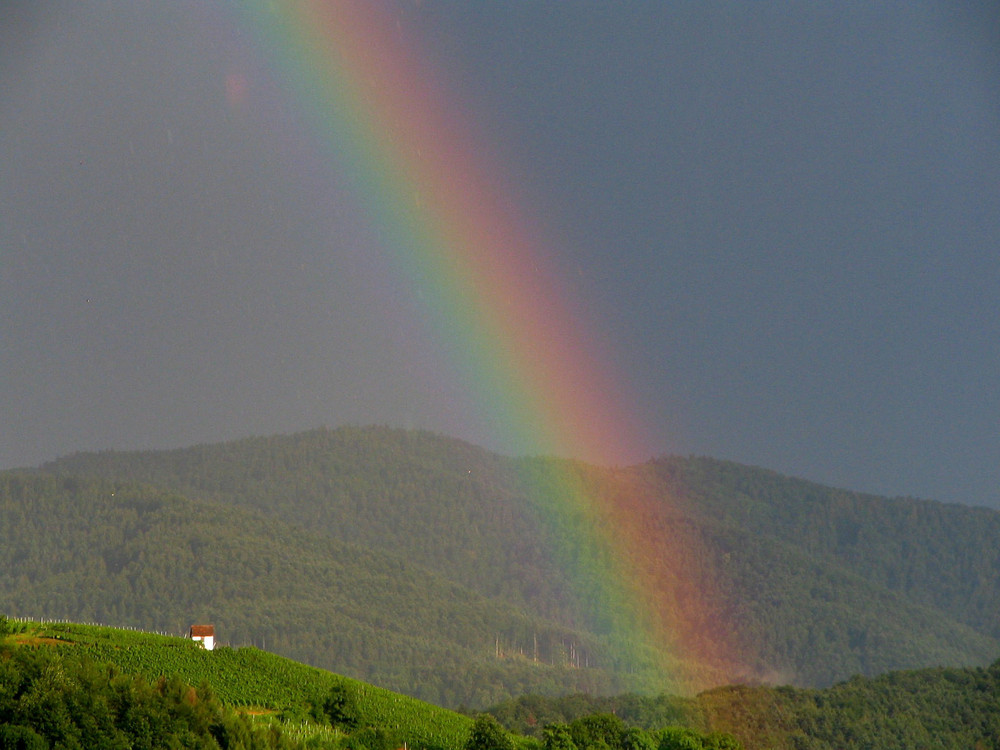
[{"x": 418, "y": 562}]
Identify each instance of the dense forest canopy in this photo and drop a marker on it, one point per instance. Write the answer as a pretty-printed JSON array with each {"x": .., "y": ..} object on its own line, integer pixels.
[
  {"x": 940, "y": 708},
  {"x": 418, "y": 562}
]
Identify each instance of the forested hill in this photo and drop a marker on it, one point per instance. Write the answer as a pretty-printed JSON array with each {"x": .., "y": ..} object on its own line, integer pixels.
[
  {"x": 101, "y": 551},
  {"x": 816, "y": 583},
  {"x": 942, "y": 555},
  {"x": 940, "y": 708}
]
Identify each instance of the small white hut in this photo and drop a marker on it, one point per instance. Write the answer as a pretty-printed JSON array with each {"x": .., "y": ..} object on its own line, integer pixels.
[{"x": 204, "y": 634}]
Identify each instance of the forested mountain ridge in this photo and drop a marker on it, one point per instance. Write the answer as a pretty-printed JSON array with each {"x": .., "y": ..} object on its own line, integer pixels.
[
  {"x": 814, "y": 583},
  {"x": 444, "y": 503},
  {"x": 105, "y": 551},
  {"x": 942, "y": 555},
  {"x": 397, "y": 490}
]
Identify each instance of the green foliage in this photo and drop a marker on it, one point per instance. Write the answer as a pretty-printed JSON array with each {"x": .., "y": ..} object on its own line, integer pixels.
[
  {"x": 438, "y": 569},
  {"x": 635, "y": 738},
  {"x": 60, "y": 695},
  {"x": 52, "y": 698},
  {"x": 125, "y": 553},
  {"x": 340, "y": 707},
  {"x": 527, "y": 714},
  {"x": 597, "y": 731},
  {"x": 487, "y": 734},
  {"x": 940, "y": 708},
  {"x": 19, "y": 737},
  {"x": 253, "y": 679},
  {"x": 373, "y": 738},
  {"x": 721, "y": 741},
  {"x": 678, "y": 738},
  {"x": 557, "y": 737}
]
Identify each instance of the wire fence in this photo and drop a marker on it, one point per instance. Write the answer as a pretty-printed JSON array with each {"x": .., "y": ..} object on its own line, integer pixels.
[{"x": 63, "y": 621}]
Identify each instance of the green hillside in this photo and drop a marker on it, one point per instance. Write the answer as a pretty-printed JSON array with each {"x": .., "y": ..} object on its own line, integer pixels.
[
  {"x": 420, "y": 563},
  {"x": 450, "y": 506},
  {"x": 280, "y": 690},
  {"x": 942, "y": 708},
  {"x": 134, "y": 555},
  {"x": 810, "y": 621},
  {"x": 78, "y": 686},
  {"x": 72, "y": 685},
  {"x": 941, "y": 555}
]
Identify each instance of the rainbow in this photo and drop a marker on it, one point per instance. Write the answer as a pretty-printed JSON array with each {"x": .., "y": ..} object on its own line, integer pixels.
[{"x": 518, "y": 338}]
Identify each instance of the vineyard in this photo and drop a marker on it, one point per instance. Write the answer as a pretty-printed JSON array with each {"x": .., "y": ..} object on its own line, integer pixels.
[{"x": 252, "y": 680}]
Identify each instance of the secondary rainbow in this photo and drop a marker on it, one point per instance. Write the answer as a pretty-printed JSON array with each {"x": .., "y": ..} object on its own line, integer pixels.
[{"x": 421, "y": 175}]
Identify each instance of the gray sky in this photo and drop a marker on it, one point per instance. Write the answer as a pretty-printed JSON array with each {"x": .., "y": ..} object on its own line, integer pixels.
[{"x": 783, "y": 219}]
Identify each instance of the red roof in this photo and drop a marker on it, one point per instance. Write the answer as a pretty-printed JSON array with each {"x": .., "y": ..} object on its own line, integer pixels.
[{"x": 201, "y": 631}]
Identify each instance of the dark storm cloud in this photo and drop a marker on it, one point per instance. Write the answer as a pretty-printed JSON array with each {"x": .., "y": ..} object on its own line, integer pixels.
[{"x": 783, "y": 218}]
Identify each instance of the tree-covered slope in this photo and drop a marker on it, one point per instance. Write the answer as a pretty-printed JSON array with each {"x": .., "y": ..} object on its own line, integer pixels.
[
  {"x": 933, "y": 708},
  {"x": 113, "y": 552},
  {"x": 806, "y": 583},
  {"x": 941, "y": 555},
  {"x": 804, "y": 620},
  {"x": 443, "y": 503},
  {"x": 944, "y": 708}
]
